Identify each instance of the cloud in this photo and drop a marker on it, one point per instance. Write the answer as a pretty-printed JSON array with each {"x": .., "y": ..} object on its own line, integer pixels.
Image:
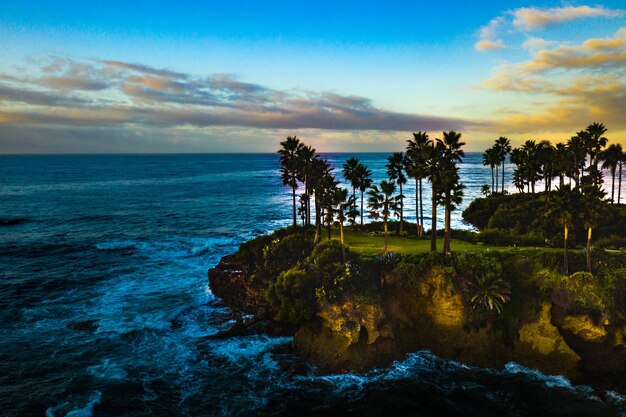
[
  {"x": 488, "y": 36},
  {"x": 62, "y": 94},
  {"x": 534, "y": 44},
  {"x": 531, "y": 18}
]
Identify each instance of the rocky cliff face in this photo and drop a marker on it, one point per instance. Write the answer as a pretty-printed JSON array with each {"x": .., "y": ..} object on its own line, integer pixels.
[{"x": 349, "y": 336}]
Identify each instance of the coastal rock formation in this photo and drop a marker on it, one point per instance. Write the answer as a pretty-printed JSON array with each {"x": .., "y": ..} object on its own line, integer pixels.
[{"x": 432, "y": 314}]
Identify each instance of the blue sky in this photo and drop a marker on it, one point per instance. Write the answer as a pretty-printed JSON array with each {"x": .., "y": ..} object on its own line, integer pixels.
[{"x": 345, "y": 75}]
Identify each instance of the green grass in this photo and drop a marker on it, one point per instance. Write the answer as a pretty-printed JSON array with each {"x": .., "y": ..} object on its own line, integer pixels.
[{"x": 363, "y": 243}]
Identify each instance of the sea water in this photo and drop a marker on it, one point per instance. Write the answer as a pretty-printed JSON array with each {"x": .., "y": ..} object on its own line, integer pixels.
[{"x": 105, "y": 308}]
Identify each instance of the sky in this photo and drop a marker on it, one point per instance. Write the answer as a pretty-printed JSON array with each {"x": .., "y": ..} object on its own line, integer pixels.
[{"x": 240, "y": 76}]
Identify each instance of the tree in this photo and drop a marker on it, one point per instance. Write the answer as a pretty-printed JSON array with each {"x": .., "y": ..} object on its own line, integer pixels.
[
  {"x": 452, "y": 153},
  {"x": 350, "y": 174},
  {"x": 503, "y": 146},
  {"x": 484, "y": 190},
  {"x": 289, "y": 167},
  {"x": 619, "y": 177},
  {"x": 612, "y": 157},
  {"x": 562, "y": 206},
  {"x": 305, "y": 162},
  {"x": 396, "y": 167},
  {"x": 383, "y": 203},
  {"x": 546, "y": 154},
  {"x": 433, "y": 166},
  {"x": 577, "y": 146},
  {"x": 322, "y": 182},
  {"x": 417, "y": 153},
  {"x": 592, "y": 209},
  {"x": 341, "y": 206},
  {"x": 490, "y": 158},
  {"x": 364, "y": 181},
  {"x": 561, "y": 162},
  {"x": 596, "y": 141}
]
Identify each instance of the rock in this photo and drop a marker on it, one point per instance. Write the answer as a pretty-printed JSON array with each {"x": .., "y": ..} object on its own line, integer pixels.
[{"x": 583, "y": 326}]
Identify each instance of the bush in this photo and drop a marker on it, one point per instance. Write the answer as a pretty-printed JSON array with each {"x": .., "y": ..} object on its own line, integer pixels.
[
  {"x": 611, "y": 242},
  {"x": 292, "y": 296},
  {"x": 578, "y": 292}
]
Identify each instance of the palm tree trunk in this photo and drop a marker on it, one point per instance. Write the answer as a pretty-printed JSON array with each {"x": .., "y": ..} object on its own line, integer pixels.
[
  {"x": 619, "y": 183},
  {"x": 401, "y": 209},
  {"x": 361, "y": 207},
  {"x": 385, "y": 231},
  {"x": 417, "y": 207},
  {"x": 343, "y": 245},
  {"x": 318, "y": 223},
  {"x": 497, "y": 186},
  {"x": 293, "y": 197},
  {"x": 565, "y": 263},
  {"x": 561, "y": 180},
  {"x": 421, "y": 211},
  {"x": 493, "y": 190},
  {"x": 446, "y": 239},
  {"x": 613, "y": 186},
  {"x": 502, "y": 179},
  {"x": 433, "y": 221},
  {"x": 588, "y": 250}
]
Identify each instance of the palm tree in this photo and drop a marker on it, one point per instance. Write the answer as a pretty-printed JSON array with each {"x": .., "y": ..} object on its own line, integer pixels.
[
  {"x": 592, "y": 210},
  {"x": 619, "y": 177},
  {"x": 350, "y": 174},
  {"x": 433, "y": 165},
  {"x": 485, "y": 190},
  {"x": 340, "y": 207},
  {"x": 364, "y": 181},
  {"x": 321, "y": 181},
  {"x": 561, "y": 162},
  {"x": 396, "y": 167},
  {"x": 546, "y": 155},
  {"x": 562, "y": 206},
  {"x": 289, "y": 167},
  {"x": 503, "y": 146},
  {"x": 452, "y": 154},
  {"x": 305, "y": 161},
  {"x": 490, "y": 158},
  {"x": 612, "y": 157},
  {"x": 577, "y": 153},
  {"x": 416, "y": 152},
  {"x": 596, "y": 142},
  {"x": 383, "y": 203}
]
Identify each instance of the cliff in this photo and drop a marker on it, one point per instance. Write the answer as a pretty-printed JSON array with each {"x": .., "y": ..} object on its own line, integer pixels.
[{"x": 428, "y": 309}]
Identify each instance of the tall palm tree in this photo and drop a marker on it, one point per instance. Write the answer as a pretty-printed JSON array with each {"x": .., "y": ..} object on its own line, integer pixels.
[
  {"x": 562, "y": 206},
  {"x": 383, "y": 203},
  {"x": 289, "y": 167},
  {"x": 577, "y": 147},
  {"x": 531, "y": 163},
  {"x": 305, "y": 161},
  {"x": 452, "y": 154},
  {"x": 546, "y": 154},
  {"x": 561, "y": 161},
  {"x": 490, "y": 159},
  {"x": 321, "y": 181},
  {"x": 612, "y": 157},
  {"x": 341, "y": 204},
  {"x": 592, "y": 210},
  {"x": 364, "y": 181},
  {"x": 596, "y": 142},
  {"x": 433, "y": 165},
  {"x": 503, "y": 145},
  {"x": 416, "y": 152},
  {"x": 350, "y": 174},
  {"x": 396, "y": 167},
  {"x": 619, "y": 177}
]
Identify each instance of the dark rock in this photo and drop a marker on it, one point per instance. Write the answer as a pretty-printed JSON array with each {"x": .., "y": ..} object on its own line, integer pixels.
[{"x": 83, "y": 326}]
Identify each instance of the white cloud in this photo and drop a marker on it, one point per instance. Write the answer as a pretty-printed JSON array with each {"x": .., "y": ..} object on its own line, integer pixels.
[{"x": 530, "y": 18}]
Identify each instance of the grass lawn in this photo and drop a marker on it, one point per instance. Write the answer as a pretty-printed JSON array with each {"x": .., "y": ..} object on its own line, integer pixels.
[{"x": 365, "y": 244}]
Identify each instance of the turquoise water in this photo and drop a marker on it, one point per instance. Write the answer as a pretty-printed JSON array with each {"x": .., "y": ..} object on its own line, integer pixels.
[{"x": 104, "y": 304}]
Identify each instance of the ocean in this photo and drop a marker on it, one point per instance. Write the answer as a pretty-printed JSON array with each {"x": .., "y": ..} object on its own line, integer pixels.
[{"x": 105, "y": 305}]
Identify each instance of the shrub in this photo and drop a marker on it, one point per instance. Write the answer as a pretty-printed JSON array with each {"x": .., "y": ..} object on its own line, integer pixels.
[
  {"x": 611, "y": 242},
  {"x": 580, "y": 291},
  {"x": 292, "y": 296}
]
